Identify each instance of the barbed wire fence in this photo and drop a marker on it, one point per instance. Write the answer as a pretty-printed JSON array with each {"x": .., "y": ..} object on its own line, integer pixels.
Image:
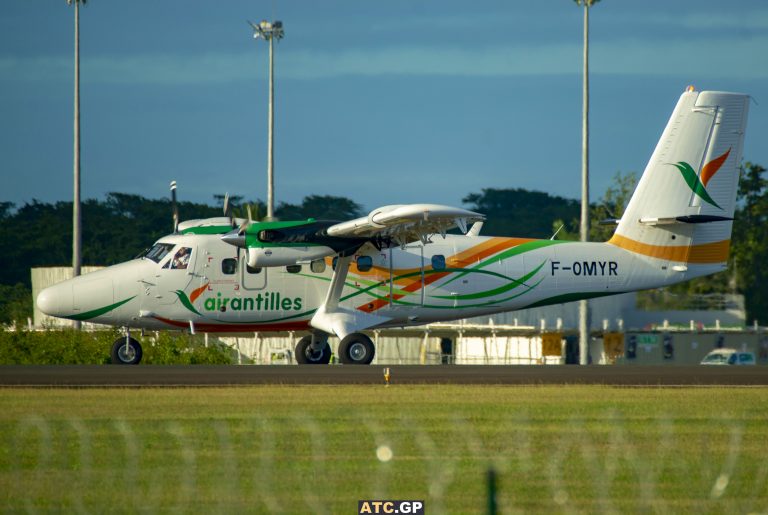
[{"x": 590, "y": 466}]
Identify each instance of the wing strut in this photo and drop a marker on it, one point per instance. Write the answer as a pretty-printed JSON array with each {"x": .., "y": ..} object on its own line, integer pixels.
[{"x": 334, "y": 319}]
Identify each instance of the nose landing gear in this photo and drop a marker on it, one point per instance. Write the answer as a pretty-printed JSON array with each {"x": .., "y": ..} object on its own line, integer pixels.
[
  {"x": 126, "y": 351},
  {"x": 313, "y": 350}
]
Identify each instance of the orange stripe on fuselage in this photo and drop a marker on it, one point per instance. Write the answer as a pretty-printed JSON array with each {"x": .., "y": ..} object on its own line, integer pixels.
[
  {"x": 197, "y": 292},
  {"x": 460, "y": 260},
  {"x": 705, "y": 253}
]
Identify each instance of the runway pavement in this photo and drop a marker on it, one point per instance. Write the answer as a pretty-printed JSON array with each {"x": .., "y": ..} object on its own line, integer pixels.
[{"x": 204, "y": 375}]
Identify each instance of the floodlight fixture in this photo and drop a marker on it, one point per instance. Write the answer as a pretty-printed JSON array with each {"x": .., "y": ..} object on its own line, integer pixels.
[{"x": 267, "y": 30}]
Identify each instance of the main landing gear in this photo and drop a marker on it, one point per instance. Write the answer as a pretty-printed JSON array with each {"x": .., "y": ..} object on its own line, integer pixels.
[
  {"x": 126, "y": 351},
  {"x": 354, "y": 349}
]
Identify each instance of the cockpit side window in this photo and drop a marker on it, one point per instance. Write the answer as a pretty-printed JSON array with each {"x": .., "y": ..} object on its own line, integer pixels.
[
  {"x": 181, "y": 259},
  {"x": 158, "y": 251}
]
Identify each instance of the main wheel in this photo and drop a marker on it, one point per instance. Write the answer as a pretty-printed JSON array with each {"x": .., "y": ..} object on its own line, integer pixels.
[
  {"x": 306, "y": 355},
  {"x": 356, "y": 349},
  {"x": 126, "y": 353}
]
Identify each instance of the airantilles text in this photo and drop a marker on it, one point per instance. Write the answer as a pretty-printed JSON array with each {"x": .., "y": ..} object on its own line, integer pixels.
[{"x": 269, "y": 301}]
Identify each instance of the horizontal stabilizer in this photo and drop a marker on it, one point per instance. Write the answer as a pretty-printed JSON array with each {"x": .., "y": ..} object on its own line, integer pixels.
[{"x": 685, "y": 219}]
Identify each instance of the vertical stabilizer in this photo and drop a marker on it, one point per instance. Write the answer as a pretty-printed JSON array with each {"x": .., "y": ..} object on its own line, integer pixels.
[{"x": 682, "y": 210}]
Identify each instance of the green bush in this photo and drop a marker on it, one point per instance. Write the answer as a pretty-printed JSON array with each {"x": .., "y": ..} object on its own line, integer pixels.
[
  {"x": 179, "y": 349},
  {"x": 70, "y": 347}
]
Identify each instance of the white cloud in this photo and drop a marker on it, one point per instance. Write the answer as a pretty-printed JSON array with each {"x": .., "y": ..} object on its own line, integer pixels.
[
  {"x": 743, "y": 58},
  {"x": 742, "y": 20}
]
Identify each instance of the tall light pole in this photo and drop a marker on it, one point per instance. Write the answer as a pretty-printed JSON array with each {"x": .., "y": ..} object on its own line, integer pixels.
[
  {"x": 269, "y": 32},
  {"x": 584, "y": 229},
  {"x": 76, "y": 221}
]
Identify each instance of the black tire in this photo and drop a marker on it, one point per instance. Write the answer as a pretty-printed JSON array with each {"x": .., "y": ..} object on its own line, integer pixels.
[
  {"x": 356, "y": 349},
  {"x": 130, "y": 356},
  {"x": 306, "y": 356}
]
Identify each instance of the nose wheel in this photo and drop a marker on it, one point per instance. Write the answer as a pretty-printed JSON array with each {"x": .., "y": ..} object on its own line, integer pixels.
[
  {"x": 126, "y": 351},
  {"x": 309, "y": 353}
]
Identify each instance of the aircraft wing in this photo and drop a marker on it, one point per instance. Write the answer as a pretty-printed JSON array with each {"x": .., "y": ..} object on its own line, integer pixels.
[{"x": 407, "y": 222}]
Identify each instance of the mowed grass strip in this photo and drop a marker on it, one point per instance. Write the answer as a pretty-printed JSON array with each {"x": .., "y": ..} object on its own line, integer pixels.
[{"x": 287, "y": 449}]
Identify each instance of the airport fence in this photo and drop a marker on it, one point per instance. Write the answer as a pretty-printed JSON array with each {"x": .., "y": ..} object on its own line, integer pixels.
[{"x": 280, "y": 456}]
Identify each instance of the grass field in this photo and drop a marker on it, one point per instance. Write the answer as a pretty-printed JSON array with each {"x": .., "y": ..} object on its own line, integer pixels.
[{"x": 314, "y": 449}]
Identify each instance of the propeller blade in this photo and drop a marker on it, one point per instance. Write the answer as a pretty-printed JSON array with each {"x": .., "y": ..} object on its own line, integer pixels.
[
  {"x": 228, "y": 210},
  {"x": 174, "y": 207},
  {"x": 243, "y": 227}
]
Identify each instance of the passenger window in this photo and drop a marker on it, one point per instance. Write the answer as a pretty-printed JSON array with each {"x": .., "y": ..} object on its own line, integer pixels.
[
  {"x": 293, "y": 269},
  {"x": 438, "y": 262},
  {"x": 181, "y": 259},
  {"x": 228, "y": 266},
  {"x": 364, "y": 263},
  {"x": 317, "y": 266}
]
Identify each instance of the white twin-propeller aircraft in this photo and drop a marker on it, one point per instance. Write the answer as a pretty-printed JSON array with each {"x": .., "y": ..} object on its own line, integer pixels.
[{"x": 398, "y": 267}]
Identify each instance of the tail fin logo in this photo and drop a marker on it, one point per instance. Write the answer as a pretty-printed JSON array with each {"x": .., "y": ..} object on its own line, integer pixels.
[{"x": 698, "y": 184}]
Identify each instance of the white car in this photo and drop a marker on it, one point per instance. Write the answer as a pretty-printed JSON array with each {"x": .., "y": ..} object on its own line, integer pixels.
[{"x": 729, "y": 357}]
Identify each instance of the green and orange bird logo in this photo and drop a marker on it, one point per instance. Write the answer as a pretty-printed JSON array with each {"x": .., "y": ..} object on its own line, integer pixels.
[{"x": 698, "y": 184}]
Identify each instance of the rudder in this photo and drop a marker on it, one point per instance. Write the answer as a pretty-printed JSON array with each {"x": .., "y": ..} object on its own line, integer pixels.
[{"x": 682, "y": 209}]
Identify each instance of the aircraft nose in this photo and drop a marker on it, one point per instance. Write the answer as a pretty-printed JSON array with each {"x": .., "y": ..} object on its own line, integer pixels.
[{"x": 56, "y": 300}]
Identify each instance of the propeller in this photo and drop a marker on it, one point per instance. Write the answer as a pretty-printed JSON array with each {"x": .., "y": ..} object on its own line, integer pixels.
[
  {"x": 228, "y": 210},
  {"x": 246, "y": 222},
  {"x": 174, "y": 207}
]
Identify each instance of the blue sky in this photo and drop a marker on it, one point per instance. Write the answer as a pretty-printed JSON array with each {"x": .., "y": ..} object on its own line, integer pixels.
[{"x": 382, "y": 102}]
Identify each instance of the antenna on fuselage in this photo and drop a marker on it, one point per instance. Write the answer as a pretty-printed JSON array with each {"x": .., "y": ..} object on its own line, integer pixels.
[
  {"x": 174, "y": 207},
  {"x": 557, "y": 231}
]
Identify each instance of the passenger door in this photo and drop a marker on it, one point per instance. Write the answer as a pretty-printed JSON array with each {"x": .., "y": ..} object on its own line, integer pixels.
[
  {"x": 407, "y": 275},
  {"x": 252, "y": 278}
]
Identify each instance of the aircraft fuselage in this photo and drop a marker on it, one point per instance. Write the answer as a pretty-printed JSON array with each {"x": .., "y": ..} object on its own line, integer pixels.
[{"x": 451, "y": 278}]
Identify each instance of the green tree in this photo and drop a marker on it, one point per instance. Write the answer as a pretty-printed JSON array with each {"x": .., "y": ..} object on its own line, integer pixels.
[
  {"x": 15, "y": 304},
  {"x": 749, "y": 248},
  {"x": 320, "y": 207},
  {"x": 609, "y": 207},
  {"x": 521, "y": 213}
]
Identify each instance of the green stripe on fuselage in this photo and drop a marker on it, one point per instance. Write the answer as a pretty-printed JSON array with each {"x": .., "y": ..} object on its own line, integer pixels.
[{"x": 98, "y": 312}]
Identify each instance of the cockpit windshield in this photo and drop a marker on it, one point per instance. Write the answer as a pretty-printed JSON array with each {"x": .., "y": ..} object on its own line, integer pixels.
[{"x": 157, "y": 252}]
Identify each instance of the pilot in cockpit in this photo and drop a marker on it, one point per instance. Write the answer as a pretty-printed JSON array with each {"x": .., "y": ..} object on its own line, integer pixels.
[{"x": 181, "y": 259}]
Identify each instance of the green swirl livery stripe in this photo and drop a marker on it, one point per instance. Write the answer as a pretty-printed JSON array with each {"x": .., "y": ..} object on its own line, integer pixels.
[
  {"x": 186, "y": 302},
  {"x": 463, "y": 306},
  {"x": 514, "y": 283},
  {"x": 514, "y": 251},
  {"x": 694, "y": 183},
  {"x": 98, "y": 312},
  {"x": 384, "y": 284}
]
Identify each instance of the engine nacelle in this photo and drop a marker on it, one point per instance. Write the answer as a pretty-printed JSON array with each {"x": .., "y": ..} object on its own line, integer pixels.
[{"x": 283, "y": 256}]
